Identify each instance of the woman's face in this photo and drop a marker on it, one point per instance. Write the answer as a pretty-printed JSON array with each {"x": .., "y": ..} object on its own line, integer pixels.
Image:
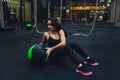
[{"x": 50, "y": 27}]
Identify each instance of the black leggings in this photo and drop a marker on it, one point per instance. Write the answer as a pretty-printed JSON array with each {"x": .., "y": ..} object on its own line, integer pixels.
[{"x": 61, "y": 53}]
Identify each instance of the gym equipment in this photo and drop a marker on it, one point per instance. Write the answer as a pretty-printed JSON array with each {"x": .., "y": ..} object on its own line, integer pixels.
[
  {"x": 36, "y": 54},
  {"x": 92, "y": 23}
]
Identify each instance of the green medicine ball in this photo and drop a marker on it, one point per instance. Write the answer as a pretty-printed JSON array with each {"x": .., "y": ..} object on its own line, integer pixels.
[{"x": 36, "y": 54}]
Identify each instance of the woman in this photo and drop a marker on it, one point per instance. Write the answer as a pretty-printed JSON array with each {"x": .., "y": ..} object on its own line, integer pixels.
[{"x": 57, "y": 48}]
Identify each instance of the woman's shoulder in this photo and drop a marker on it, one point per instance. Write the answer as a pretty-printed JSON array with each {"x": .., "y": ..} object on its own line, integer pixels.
[
  {"x": 61, "y": 30},
  {"x": 46, "y": 33}
]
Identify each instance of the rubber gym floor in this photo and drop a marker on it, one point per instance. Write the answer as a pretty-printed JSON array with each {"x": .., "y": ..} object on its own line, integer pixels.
[{"x": 103, "y": 45}]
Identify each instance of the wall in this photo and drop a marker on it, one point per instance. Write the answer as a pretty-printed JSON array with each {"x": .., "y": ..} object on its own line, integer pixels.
[
  {"x": 1, "y": 16},
  {"x": 117, "y": 19},
  {"x": 112, "y": 16},
  {"x": 16, "y": 3}
]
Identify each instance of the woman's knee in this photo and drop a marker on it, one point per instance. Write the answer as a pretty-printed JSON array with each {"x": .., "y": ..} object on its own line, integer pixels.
[{"x": 73, "y": 45}]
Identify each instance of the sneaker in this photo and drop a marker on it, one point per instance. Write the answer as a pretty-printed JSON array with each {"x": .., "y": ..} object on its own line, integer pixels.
[
  {"x": 91, "y": 62},
  {"x": 83, "y": 72}
]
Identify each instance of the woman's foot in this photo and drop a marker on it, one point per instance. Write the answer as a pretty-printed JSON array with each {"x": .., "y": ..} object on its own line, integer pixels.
[
  {"x": 91, "y": 62},
  {"x": 83, "y": 71}
]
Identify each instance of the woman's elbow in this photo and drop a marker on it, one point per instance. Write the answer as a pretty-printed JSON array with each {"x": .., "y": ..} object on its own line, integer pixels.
[{"x": 63, "y": 43}]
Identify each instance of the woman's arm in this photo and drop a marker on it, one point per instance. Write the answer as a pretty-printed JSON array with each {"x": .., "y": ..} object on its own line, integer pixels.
[
  {"x": 62, "y": 39},
  {"x": 44, "y": 38},
  {"x": 62, "y": 43}
]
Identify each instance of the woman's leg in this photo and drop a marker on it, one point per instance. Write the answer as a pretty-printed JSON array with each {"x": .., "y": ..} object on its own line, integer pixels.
[
  {"x": 62, "y": 52},
  {"x": 80, "y": 68},
  {"x": 80, "y": 51},
  {"x": 58, "y": 55}
]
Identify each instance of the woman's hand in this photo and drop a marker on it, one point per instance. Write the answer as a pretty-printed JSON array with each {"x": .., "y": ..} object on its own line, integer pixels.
[{"x": 49, "y": 50}]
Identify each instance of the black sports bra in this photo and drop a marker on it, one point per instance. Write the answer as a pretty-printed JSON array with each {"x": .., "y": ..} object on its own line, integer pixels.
[{"x": 52, "y": 42}]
